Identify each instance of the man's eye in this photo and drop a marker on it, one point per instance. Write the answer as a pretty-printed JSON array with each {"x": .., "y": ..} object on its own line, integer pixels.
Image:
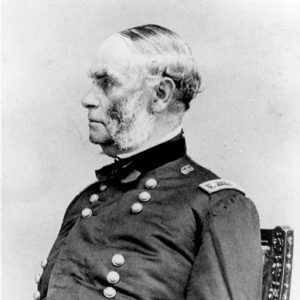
[{"x": 106, "y": 83}]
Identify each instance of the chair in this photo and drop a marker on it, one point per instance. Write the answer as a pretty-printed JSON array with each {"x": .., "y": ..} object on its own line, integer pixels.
[{"x": 277, "y": 245}]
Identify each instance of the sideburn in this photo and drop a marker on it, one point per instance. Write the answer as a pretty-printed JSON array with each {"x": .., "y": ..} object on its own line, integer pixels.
[
  {"x": 114, "y": 111},
  {"x": 129, "y": 121}
]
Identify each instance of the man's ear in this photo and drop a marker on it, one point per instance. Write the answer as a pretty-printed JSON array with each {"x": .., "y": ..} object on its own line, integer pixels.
[{"x": 163, "y": 95}]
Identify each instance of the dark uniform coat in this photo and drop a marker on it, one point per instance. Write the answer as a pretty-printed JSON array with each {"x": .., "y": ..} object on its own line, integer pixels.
[{"x": 146, "y": 230}]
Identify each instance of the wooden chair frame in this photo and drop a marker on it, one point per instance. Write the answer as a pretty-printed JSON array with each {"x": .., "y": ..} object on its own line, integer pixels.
[{"x": 277, "y": 246}]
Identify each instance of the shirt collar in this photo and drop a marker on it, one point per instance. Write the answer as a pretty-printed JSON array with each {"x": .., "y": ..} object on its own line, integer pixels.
[{"x": 165, "y": 138}]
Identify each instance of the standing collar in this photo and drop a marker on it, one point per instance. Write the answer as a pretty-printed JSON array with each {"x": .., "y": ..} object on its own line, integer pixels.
[
  {"x": 158, "y": 155},
  {"x": 129, "y": 169},
  {"x": 165, "y": 138}
]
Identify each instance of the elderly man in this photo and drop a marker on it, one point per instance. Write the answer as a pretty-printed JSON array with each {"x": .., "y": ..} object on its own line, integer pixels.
[{"x": 155, "y": 225}]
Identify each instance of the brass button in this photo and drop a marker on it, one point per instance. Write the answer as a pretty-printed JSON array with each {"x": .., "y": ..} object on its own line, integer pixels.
[
  {"x": 118, "y": 260},
  {"x": 36, "y": 295},
  {"x": 136, "y": 207},
  {"x": 151, "y": 184},
  {"x": 102, "y": 187},
  {"x": 94, "y": 198},
  {"x": 86, "y": 213},
  {"x": 113, "y": 277},
  {"x": 109, "y": 292},
  {"x": 44, "y": 263},
  {"x": 144, "y": 196},
  {"x": 37, "y": 278}
]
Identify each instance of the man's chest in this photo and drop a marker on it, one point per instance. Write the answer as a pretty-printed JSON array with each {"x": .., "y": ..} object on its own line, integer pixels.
[
  {"x": 153, "y": 230},
  {"x": 107, "y": 216}
]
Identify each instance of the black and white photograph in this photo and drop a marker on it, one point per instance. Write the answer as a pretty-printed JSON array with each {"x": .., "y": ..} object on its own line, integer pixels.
[{"x": 150, "y": 150}]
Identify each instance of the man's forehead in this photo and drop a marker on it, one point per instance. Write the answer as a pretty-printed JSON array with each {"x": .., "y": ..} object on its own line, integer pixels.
[{"x": 115, "y": 54}]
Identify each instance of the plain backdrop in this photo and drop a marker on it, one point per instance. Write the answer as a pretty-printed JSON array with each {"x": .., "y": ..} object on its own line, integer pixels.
[{"x": 244, "y": 126}]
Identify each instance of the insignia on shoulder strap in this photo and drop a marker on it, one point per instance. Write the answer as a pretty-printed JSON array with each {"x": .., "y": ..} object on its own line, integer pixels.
[{"x": 216, "y": 185}]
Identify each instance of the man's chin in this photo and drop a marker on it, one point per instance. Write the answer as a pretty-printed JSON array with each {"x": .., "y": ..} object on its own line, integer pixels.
[{"x": 100, "y": 141}]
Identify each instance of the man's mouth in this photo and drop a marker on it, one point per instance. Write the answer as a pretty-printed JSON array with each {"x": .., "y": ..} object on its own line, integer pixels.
[
  {"x": 95, "y": 124},
  {"x": 95, "y": 121}
]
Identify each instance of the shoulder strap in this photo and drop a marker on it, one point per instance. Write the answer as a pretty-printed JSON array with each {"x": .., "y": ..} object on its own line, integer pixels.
[{"x": 216, "y": 185}]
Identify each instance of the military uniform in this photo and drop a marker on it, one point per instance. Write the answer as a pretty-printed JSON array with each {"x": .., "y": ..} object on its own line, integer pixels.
[{"x": 156, "y": 226}]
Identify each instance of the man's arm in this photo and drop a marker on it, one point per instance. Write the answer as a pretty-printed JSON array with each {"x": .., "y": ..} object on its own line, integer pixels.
[{"x": 229, "y": 262}]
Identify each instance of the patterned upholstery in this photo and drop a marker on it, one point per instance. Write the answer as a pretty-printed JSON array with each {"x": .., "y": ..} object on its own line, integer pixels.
[{"x": 277, "y": 247}]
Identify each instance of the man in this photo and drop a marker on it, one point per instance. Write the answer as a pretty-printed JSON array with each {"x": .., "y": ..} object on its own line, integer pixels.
[{"x": 155, "y": 225}]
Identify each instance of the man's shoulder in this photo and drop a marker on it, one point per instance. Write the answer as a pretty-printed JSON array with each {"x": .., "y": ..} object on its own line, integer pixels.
[
  {"x": 181, "y": 178},
  {"x": 187, "y": 174},
  {"x": 203, "y": 187},
  {"x": 209, "y": 182},
  {"x": 187, "y": 170}
]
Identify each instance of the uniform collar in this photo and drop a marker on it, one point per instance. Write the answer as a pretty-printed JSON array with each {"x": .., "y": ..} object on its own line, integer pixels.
[
  {"x": 165, "y": 138},
  {"x": 128, "y": 170}
]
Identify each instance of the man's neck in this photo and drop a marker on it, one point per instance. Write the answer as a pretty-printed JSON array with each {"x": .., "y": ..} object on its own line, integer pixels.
[{"x": 153, "y": 142}]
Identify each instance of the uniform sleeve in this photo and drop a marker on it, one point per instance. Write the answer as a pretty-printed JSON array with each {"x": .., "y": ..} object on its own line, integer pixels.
[{"x": 229, "y": 261}]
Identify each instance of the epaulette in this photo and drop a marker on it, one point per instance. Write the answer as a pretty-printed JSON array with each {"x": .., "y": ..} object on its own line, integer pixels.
[{"x": 216, "y": 185}]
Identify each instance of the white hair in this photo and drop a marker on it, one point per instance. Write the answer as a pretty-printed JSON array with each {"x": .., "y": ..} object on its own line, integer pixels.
[
  {"x": 162, "y": 53},
  {"x": 129, "y": 123}
]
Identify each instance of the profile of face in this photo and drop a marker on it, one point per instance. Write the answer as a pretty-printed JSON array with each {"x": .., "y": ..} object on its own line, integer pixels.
[{"x": 119, "y": 100}]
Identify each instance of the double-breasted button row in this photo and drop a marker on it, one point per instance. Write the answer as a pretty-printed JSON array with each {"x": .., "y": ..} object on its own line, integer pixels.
[
  {"x": 87, "y": 212},
  {"x": 37, "y": 278},
  {"x": 144, "y": 196},
  {"x": 95, "y": 197},
  {"x": 113, "y": 277}
]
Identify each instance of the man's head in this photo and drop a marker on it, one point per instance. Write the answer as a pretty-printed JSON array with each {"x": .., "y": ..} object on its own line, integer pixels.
[{"x": 143, "y": 81}]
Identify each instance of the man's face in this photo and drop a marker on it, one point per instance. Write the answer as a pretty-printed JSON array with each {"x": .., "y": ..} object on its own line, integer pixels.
[{"x": 118, "y": 101}]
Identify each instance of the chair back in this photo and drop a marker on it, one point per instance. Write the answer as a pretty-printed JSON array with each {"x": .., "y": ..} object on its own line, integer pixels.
[{"x": 277, "y": 246}]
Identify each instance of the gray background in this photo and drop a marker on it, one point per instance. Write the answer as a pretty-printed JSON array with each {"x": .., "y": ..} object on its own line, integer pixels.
[{"x": 244, "y": 126}]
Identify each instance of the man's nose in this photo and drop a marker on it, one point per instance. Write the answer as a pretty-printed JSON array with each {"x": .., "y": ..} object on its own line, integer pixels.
[{"x": 90, "y": 100}]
